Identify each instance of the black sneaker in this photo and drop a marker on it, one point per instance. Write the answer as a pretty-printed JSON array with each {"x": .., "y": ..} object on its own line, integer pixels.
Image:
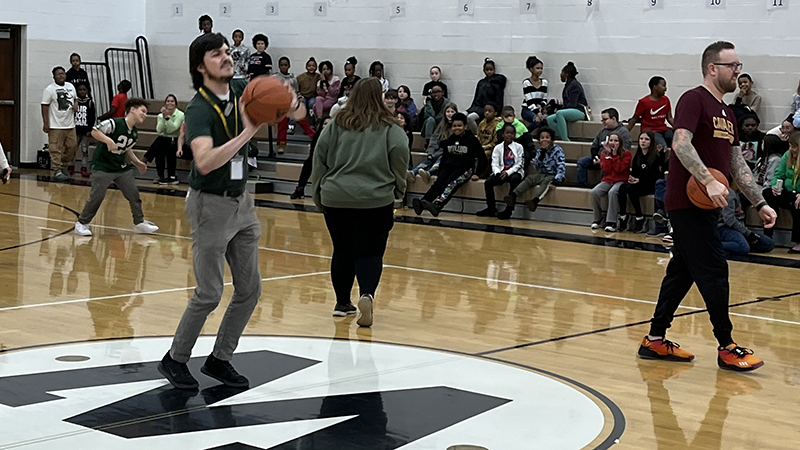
[
  {"x": 659, "y": 217},
  {"x": 510, "y": 199},
  {"x": 638, "y": 225},
  {"x": 488, "y": 212},
  {"x": 223, "y": 371},
  {"x": 533, "y": 204},
  {"x": 298, "y": 193},
  {"x": 622, "y": 224},
  {"x": 177, "y": 373},
  {"x": 506, "y": 213},
  {"x": 417, "y": 204},
  {"x": 341, "y": 310},
  {"x": 430, "y": 207}
]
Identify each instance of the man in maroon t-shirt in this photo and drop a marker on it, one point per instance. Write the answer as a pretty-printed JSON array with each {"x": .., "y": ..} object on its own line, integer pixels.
[
  {"x": 654, "y": 111},
  {"x": 705, "y": 136}
]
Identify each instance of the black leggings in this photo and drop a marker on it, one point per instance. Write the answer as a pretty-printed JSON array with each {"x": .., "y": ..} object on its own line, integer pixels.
[
  {"x": 786, "y": 201},
  {"x": 634, "y": 192},
  {"x": 163, "y": 148},
  {"x": 305, "y": 173},
  {"x": 359, "y": 241},
  {"x": 698, "y": 258}
]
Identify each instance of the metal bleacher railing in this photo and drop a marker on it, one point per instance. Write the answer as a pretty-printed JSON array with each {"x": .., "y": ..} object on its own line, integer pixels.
[{"x": 132, "y": 64}]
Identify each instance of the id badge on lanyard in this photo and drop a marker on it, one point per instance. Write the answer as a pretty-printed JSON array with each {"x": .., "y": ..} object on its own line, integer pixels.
[{"x": 237, "y": 167}]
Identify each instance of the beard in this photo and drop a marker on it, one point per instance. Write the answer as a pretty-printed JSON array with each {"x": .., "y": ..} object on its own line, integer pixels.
[
  {"x": 222, "y": 79},
  {"x": 727, "y": 86}
]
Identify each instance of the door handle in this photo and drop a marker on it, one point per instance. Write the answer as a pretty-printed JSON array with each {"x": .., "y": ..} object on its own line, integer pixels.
[{"x": 6, "y": 102}]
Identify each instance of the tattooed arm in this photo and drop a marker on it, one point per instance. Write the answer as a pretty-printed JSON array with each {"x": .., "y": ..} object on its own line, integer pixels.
[
  {"x": 744, "y": 179},
  {"x": 687, "y": 154}
]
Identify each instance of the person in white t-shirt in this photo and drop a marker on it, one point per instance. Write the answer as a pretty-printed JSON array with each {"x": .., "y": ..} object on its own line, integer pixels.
[{"x": 58, "y": 116}]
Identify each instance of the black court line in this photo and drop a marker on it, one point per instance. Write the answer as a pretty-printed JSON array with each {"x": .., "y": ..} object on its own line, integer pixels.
[
  {"x": 610, "y": 440},
  {"x": 627, "y": 325},
  {"x": 472, "y": 226},
  {"x": 62, "y": 233}
]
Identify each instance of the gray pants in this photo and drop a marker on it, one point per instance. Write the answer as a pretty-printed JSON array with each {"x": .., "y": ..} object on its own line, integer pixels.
[
  {"x": 100, "y": 183},
  {"x": 612, "y": 190},
  {"x": 223, "y": 229},
  {"x": 542, "y": 180}
]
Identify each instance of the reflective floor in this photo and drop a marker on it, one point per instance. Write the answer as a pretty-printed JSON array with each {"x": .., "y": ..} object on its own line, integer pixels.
[{"x": 513, "y": 337}]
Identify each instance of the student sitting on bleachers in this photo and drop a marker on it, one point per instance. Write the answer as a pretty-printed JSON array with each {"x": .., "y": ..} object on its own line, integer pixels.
[
  {"x": 508, "y": 166},
  {"x": 746, "y": 95},
  {"x": 768, "y": 163},
  {"x": 510, "y": 117},
  {"x": 487, "y": 129},
  {"x": 376, "y": 70},
  {"x": 550, "y": 166},
  {"x": 390, "y": 99},
  {"x": 784, "y": 130},
  {"x": 433, "y": 111},
  {"x": 307, "y": 84},
  {"x": 615, "y": 160},
  {"x": 430, "y": 166},
  {"x": 610, "y": 119},
  {"x": 788, "y": 195},
  {"x": 327, "y": 90},
  {"x": 750, "y": 138},
  {"x": 285, "y": 125},
  {"x": 737, "y": 239},
  {"x": 436, "y": 80},
  {"x": 463, "y": 157},
  {"x": 405, "y": 103},
  {"x": 350, "y": 78},
  {"x": 654, "y": 111},
  {"x": 574, "y": 102},
  {"x": 647, "y": 167},
  {"x": 534, "y": 94},
  {"x": 404, "y": 120},
  {"x": 491, "y": 88}
]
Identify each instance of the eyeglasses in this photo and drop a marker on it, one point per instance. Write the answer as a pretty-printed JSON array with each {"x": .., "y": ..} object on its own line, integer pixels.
[{"x": 733, "y": 66}]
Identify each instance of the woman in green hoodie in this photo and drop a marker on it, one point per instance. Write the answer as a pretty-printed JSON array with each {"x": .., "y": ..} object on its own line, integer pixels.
[
  {"x": 787, "y": 196},
  {"x": 359, "y": 170}
]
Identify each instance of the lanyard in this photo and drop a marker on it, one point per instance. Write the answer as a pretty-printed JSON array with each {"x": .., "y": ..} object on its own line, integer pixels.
[{"x": 221, "y": 115}]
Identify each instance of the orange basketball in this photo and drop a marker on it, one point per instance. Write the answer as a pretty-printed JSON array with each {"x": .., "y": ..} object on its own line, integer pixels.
[
  {"x": 697, "y": 191},
  {"x": 266, "y": 100}
]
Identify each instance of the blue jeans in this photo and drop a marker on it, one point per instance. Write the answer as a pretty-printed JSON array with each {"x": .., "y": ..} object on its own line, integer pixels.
[
  {"x": 658, "y": 200},
  {"x": 664, "y": 138},
  {"x": 429, "y": 165},
  {"x": 736, "y": 244},
  {"x": 530, "y": 117},
  {"x": 585, "y": 164}
]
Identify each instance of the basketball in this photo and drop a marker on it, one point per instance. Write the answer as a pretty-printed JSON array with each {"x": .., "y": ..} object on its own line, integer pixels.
[
  {"x": 697, "y": 191},
  {"x": 266, "y": 100}
]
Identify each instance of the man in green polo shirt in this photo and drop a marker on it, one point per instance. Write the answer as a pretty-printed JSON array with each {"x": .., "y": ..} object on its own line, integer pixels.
[
  {"x": 221, "y": 214},
  {"x": 112, "y": 163}
]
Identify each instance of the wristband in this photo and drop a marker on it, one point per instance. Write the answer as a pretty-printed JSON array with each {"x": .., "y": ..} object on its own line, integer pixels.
[{"x": 760, "y": 205}]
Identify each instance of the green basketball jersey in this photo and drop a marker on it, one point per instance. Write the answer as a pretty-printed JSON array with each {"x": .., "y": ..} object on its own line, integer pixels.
[{"x": 114, "y": 162}]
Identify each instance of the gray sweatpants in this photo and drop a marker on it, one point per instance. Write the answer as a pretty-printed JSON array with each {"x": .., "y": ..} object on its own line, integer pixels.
[
  {"x": 223, "y": 229},
  {"x": 612, "y": 190},
  {"x": 100, "y": 183}
]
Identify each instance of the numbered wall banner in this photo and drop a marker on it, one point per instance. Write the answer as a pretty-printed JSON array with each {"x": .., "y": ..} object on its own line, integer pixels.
[
  {"x": 592, "y": 5},
  {"x": 225, "y": 9},
  {"x": 272, "y": 9},
  {"x": 527, "y": 7},
  {"x": 321, "y": 9},
  {"x": 466, "y": 8},
  {"x": 715, "y": 4},
  {"x": 398, "y": 10},
  {"x": 777, "y": 4},
  {"x": 177, "y": 10},
  {"x": 654, "y": 4}
]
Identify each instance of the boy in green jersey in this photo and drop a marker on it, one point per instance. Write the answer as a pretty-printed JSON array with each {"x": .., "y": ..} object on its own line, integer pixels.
[{"x": 113, "y": 159}]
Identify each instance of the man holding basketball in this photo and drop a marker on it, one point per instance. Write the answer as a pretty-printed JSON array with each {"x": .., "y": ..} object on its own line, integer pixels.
[
  {"x": 221, "y": 214},
  {"x": 705, "y": 137}
]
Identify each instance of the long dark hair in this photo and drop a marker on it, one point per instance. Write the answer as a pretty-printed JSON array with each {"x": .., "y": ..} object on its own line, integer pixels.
[
  {"x": 408, "y": 101},
  {"x": 652, "y": 152}
]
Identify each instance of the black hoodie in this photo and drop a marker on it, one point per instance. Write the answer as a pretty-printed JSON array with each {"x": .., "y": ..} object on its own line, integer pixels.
[{"x": 462, "y": 153}]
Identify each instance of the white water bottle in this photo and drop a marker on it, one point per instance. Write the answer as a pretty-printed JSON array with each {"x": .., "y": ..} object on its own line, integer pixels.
[{"x": 779, "y": 186}]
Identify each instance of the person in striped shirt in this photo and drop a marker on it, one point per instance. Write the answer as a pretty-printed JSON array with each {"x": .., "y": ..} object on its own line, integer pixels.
[{"x": 534, "y": 93}]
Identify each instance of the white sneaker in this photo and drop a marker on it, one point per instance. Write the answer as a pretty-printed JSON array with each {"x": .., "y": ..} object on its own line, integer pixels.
[
  {"x": 145, "y": 227},
  {"x": 425, "y": 175},
  {"x": 82, "y": 230},
  {"x": 365, "y": 316}
]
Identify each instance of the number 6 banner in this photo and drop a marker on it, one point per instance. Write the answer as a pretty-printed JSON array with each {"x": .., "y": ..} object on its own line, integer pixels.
[{"x": 466, "y": 8}]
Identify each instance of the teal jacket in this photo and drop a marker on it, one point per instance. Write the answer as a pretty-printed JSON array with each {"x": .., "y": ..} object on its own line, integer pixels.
[{"x": 359, "y": 169}]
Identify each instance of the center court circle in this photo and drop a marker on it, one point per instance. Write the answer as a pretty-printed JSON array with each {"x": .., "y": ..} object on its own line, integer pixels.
[{"x": 303, "y": 390}]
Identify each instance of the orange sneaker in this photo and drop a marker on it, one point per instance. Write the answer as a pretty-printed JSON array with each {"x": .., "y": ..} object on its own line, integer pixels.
[
  {"x": 738, "y": 358},
  {"x": 663, "y": 349}
]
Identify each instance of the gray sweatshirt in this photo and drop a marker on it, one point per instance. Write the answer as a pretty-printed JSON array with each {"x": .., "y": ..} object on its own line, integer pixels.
[{"x": 728, "y": 217}]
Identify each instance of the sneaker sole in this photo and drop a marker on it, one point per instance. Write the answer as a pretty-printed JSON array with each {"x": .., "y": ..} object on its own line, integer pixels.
[
  {"x": 725, "y": 366},
  {"x": 365, "y": 318},
  {"x": 208, "y": 373},
  {"x": 646, "y": 353},
  {"x": 343, "y": 313},
  {"x": 186, "y": 387}
]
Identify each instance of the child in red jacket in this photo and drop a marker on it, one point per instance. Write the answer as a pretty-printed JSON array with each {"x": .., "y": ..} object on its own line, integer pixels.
[{"x": 615, "y": 161}]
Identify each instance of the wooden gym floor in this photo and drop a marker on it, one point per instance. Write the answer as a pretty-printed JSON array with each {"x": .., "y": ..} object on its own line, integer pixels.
[{"x": 558, "y": 299}]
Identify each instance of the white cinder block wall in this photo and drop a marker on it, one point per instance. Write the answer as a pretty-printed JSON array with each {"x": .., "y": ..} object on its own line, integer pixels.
[
  {"x": 53, "y": 29},
  {"x": 616, "y": 48}
]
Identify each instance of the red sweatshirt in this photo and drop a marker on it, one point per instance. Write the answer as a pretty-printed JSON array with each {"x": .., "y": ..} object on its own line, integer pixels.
[{"x": 616, "y": 168}]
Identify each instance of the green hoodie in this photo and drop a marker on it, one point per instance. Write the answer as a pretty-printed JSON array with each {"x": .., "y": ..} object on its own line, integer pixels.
[
  {"x": 783, "y": 172},
  {"x": 360, "y": 169}
]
